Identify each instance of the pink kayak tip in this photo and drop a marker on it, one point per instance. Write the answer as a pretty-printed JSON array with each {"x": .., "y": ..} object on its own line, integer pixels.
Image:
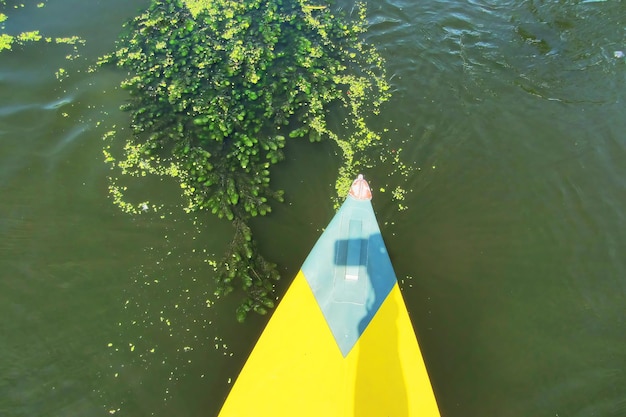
[{"x": 360, "y": 189}]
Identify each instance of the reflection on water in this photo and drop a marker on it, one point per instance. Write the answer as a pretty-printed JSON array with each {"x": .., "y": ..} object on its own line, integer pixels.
[{"x": 509, "y": 116}]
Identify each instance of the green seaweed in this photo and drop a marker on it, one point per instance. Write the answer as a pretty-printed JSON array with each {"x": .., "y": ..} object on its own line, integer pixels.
[{"x": 217, "y": 88}]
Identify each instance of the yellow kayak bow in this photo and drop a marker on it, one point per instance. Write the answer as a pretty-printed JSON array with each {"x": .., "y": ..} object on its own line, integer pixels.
[{"x": 340, "y": 343}]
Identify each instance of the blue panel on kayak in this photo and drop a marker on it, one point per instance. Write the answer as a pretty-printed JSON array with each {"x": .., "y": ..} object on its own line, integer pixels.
[
  {"x": 349, "y": 272},
  {"x": 353, "y": 253}
]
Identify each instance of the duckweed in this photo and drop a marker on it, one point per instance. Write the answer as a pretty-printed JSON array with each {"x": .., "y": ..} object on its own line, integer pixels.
[{"x": 7, "y": 41}]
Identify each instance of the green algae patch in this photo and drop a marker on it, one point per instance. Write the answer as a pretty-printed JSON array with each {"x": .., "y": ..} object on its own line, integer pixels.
[
  {"x": 7, "y": 41},
  {"x": 217, "y": 89},
  {"x": 32, "y": 36}
]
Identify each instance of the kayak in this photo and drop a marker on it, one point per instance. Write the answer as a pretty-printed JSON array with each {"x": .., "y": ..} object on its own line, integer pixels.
[{"x": 340, "y": 342}]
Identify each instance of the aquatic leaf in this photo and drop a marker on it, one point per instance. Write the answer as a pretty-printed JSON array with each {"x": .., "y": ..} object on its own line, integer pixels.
[{"x": 260, "y": 310}]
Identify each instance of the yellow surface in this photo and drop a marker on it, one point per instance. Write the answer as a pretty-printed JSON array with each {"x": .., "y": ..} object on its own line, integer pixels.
[{"x": 297, "y": 369}]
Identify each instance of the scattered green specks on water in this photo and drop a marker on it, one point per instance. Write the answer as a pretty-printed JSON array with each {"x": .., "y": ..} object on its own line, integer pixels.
[
  {"x": 61, "y": 74},
  {"x": 399, "y": 195},
  {"x": 8, "y": 41}
]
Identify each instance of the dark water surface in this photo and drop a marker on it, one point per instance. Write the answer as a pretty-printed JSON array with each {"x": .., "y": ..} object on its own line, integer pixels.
[{"x": 511, "y": 249}]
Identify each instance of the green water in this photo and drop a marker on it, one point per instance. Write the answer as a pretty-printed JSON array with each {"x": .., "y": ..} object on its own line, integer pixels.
[{"x": 511, "y": 250}]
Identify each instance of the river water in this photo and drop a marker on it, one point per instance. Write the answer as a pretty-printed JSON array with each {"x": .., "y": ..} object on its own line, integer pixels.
[{"x": 509, "y": 243}]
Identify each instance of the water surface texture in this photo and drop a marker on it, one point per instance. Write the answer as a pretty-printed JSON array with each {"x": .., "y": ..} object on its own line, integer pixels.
[{"x": 511, "y": 249}]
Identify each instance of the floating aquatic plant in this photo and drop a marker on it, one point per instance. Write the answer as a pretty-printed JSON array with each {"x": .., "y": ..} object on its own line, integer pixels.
[
  {"x": 7, "y": 41},
  {"x": 217, "y": 88}
]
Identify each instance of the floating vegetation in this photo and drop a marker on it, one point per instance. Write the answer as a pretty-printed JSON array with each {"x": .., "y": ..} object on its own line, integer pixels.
[
  {"x": 217, "y": 88},
  {"x": 7, "y": 41}
]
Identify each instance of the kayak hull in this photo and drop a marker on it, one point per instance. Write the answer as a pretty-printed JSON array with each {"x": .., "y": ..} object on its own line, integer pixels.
[
  {"x": 302, "y": 372},
  {"x": 341, "y": 342}
]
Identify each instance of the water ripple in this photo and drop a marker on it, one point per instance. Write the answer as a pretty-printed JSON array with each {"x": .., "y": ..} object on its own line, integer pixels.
[
  {"x": 57, "y": 104},
  {"x": 546, "y": 49}
]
